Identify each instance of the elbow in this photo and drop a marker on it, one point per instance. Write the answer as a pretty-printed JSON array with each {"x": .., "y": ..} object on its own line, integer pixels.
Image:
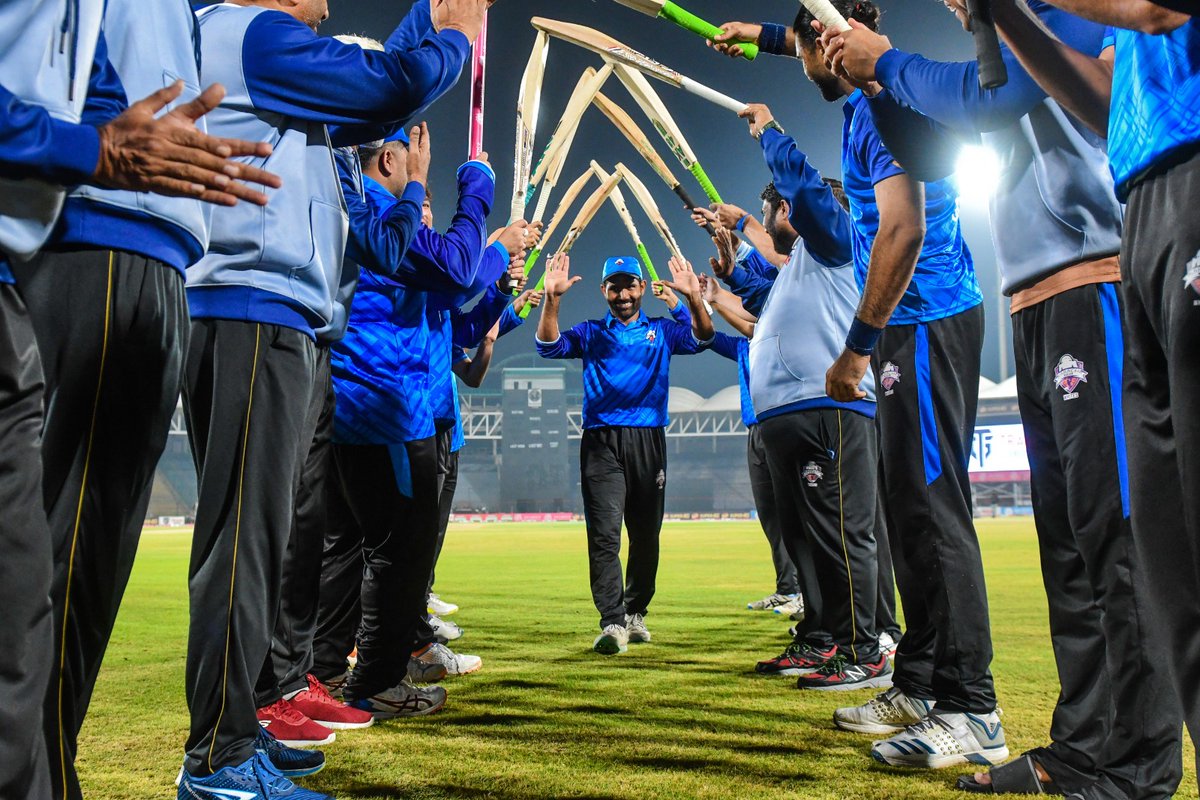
[
  {"x": 906, "y": 238},
  {"x": 1158, "y": 21}
]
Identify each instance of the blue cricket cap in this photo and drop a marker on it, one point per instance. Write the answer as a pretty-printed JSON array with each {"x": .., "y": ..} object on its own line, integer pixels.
[
  {"x": 401, "y": 135},
  {"x": 622, "y": 265}
]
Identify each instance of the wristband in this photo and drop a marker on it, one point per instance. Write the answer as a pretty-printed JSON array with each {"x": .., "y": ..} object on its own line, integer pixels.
[
  {"x": 773, "y": 39},
  {"x": 862, "y": 337},
  {"x": 741, "y": 223}
]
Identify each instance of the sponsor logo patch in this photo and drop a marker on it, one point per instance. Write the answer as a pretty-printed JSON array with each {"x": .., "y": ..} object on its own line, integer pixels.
[
  {"x": 1068, "y": 375},
  {"x": 889, "y": 376},
  {"x": 651, "y": 335},
  {"x": 812, "y": 474},
  {"x": 661, "y": 480},
  {"x": 1191, "y": 277}
]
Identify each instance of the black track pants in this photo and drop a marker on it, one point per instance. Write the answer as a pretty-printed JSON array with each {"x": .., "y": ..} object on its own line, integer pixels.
[
  {"x": 339, "y": 609},
  {"x": 624, "y": 477},
  {"x": 1160, "y": 268},
  {"x": 246, "y": 396},
  {"x": 786, "y": 580},
  {"x": 112, "y": 329},
  {"x": 824, "y": 465},
  {"x": 27, "y": 630},
  {"x": 928, "y": 377}
]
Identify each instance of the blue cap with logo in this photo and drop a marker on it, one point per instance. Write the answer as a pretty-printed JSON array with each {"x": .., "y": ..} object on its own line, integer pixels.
[
  {"x": 622, "y": 265},
  {"x": 400, "y": 135}
]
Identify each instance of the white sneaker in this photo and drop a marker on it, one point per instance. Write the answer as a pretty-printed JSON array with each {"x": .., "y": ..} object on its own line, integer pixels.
[
  {"x": 444, "y": 630},
  {"x": 793, "y": 609},
  {"x": 771, "y": 602},
  {"x": 440, "y": 607},
  {"x": 425, "y": 672},
  {"x": 635, "y": 627},
  {"x": 452, "y": 663},
  {"x": 890, "y": 712},
  {"x": 404, "y": 700},
  {"x": 946, "y": 739},
  {"x": 612, "y": 640},
  {"x": 888, "y": 645}
]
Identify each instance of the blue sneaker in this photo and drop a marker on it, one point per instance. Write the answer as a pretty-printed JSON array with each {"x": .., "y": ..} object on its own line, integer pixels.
[
  {"x": 291, "y": 762},
  {"x": 254, "y": 779}
]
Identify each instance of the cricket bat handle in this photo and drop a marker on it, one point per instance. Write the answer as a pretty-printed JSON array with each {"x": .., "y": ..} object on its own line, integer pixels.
[
  {"x": 691, "y": 22},
  {"x": 992, "y": 72},
  {"x": 478, "y": 77},
  {"x": 710, "y": 191},
  {"x": 645, "y": 256},
  {"x": 683, "y": 195},
  {"x": 541, "y": 283}
]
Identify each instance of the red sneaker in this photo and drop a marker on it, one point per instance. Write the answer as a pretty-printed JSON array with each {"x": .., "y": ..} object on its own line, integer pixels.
[
  {"x": 293, "y": 728},
  {"x": 798, "y": 659},
  {"x": 320, "y": 706}
]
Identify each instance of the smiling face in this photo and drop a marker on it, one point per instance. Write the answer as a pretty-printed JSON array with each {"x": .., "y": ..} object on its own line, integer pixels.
[{"x": 624, "y": 296}]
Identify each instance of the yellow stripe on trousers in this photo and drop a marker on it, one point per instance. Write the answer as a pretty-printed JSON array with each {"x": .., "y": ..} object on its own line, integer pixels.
[
  {"x": 237, "y": 532},
  {"x": 845, "y": 552},
  {"x": 87, "y": 462}
]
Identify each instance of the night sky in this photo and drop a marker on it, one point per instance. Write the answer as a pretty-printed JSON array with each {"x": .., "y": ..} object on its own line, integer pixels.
[{"x": 732, "y": 159}]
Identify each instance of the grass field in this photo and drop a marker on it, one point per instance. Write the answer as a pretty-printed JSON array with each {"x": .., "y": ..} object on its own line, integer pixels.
[{"x": 684, "y": 717}]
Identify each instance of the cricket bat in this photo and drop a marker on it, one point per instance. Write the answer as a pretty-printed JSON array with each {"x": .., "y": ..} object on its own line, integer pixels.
[
  {"x": 478, "y": 81},
  {"x": 529, "y": 101},
  {"x": 614, "y": 51},
  {"x": 665, "y": 9},
  {"x": 642, "y": 195},
  {"x": 667, "y": 128},
  {"x": 568, "y": 200},
  {"x": 564, "y": 133},
  {"x": 826, "y": 14},
  {"x": 630, "y": 130},
  {"x": 618, "y": 201}
]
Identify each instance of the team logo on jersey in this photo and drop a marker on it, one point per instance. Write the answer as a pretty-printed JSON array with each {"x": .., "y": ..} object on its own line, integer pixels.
[
  {"x": 661, "y": 480},
  {"x": 812, "y": 474},
  {"x": 889, "y": 376},
  {"x": 1068, "y": 375},
  {"x": 651, "y": 335},
  {"x": 1192, "y": 277}
]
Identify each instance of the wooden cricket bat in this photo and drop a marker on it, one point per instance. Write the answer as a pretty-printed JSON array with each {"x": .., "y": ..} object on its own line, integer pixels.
[
  {"x": 614, "y": 51},
  {"x": 618, "y": 201},
  {"x": 529, "y": 102},
  {"x": 630, "y": 130},
  {"x": 642, "y": 195},
  {"x": 667, "y": 10},
  {"x": 568, "y": 200},
  {"x": 478, "y": 81},
  {"x": 667, "y": 128}
]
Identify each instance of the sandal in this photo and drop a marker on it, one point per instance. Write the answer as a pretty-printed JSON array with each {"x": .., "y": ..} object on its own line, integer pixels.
[{"x": 1015, "y": 777}]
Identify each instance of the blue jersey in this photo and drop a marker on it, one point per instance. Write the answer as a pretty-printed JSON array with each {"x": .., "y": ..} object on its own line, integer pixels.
[
  {"x": 944, "y": 282},
  {"x": 626, "y": 368},
  {"x": 1155, "y": 111},
  {"x": 737, "y": 348}
]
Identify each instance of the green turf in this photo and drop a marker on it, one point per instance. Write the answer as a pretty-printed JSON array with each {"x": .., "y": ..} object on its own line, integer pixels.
[{"x": 683, "y": 717}]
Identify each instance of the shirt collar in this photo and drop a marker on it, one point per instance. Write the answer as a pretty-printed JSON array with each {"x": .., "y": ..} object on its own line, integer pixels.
[
  {"x": 852, "y": 103},
  {"x": 374, "y": 187},
  {"x": 610, "y": 320}
]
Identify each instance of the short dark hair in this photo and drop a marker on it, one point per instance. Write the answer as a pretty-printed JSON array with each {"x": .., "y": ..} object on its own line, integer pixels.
[
  {"x": 865, "y": 11},
  {"x": 772, "y": 198},
  {"x": 839, "y": 192}
]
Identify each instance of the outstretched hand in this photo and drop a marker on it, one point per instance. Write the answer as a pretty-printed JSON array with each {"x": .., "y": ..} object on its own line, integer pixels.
[
  {"x": 144, "y": 152},
  {"x": 683, "y": 278},
  {"x": 558, "y": 276},
  {"x": 419, "y": 154},
  {"x": 726, "y": 260}
]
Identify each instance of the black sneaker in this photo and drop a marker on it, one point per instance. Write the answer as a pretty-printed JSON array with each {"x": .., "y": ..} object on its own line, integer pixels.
[
  {"x": 796, "y": 660},
  {"x": 291, "y": 762},
  {"x": 839, "y": 675}
]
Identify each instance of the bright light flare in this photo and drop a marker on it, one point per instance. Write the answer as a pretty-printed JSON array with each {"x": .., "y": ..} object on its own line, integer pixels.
[{"x": 977, "y": 174}]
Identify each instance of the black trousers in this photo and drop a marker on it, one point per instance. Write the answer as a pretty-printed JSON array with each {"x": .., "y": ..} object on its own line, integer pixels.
[
  {"x": 112, "y": 330},
  {"x": 1117, "y": 717},
  {"x": 1162, "y": 425},
  {"x": 786, "y": 580},
  {"x": 290, "y": 658},
  {"x": 885, "y": 605},
  {"x": 448, "y": 471},
  {"x": 624, "y": 479},
  {"x": 27, "y": 632},
  {"x": 823, "y": 463},
  {"x": 926, "y": 425},
  {"x": 399, "y": 539},
  {"x": 246, "y": 397},
  {"x": 339, "y": 608}
]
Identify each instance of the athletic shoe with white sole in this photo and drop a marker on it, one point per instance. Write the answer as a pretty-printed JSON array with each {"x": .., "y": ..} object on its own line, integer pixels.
[
  {"x": 839, "y": 675},
  {"x": 890, "y": 712},
  {"x": 292, "y": 727},
  {"x": 797, "y": 659},
  {"x": 291, "y": 762},
  {"x": 254, "y": 779},
  {"x": 771, "y": 602},
  {"x": 888, "y": 645},
  {"x": 612, "y": 640},
  {"x": 318, "y": 705},
  {"x": 946, "y": 739},
  {"x": 635, "y": 628},
  {"x": 443, "y": 630},
  {"x": 422, "y": 672},
  {"x": 452, "y": 663},
  {"x": 439, "y": 607},
  {"x": 404, "y": 700},
  {"x": 793, "y": 609}
]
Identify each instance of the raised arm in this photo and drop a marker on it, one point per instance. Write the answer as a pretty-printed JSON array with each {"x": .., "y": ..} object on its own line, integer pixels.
[
  {"x": 1148, "y": 16},
  {"x": 551, "y": 343},
  {"x": 684, "y": 281},
  {"x": 728, "y": 305}
]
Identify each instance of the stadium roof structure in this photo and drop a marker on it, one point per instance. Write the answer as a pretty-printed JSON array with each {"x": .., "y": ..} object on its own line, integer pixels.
[
  {"x": 1004, "y": 390},
  {"x": 681, "y": 400},
  {"x": 728, "y": 399}
]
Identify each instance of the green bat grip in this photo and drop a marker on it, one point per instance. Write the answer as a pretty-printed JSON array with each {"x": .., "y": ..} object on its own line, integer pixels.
[
  {"x": 641, "y": 248},
  {"x": 705, "y": 183},
  {"x": 691, "y": 22},
  {"x": 529, "y": 262}
]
